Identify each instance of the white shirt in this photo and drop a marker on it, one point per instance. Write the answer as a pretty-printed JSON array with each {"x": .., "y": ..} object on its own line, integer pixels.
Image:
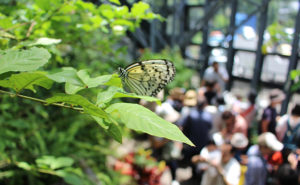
[
  {"x": 211, "y": 75},
  {"x": 232, "y": 172}
]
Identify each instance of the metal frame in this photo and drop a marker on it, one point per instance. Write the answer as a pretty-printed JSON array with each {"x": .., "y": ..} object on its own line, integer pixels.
[{"x": 180, "y": 10}]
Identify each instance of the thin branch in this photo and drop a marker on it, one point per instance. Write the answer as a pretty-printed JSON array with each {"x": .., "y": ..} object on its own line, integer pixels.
[
  {"x": 30, "y": 29},
  {"x": 42, "y": 101}
]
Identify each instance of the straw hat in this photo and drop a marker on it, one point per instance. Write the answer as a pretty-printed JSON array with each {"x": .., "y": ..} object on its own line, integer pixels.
[{"x": 190, "y": 98}]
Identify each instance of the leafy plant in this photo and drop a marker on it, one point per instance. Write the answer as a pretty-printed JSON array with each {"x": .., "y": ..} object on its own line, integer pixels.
[{"x": 57, "y": 120}]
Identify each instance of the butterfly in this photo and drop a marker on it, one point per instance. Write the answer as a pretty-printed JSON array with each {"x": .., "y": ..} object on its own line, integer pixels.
[{"x": 147, "y": 77}]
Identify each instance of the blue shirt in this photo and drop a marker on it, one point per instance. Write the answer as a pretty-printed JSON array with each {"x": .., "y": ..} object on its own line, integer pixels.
[
  {"x": 196, "y": 126},
  {"x": 256, "y": 168}
]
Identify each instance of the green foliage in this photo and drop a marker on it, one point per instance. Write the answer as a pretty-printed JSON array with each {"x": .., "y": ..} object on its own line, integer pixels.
[
  {"x": 277, "y": 36},
  {"x": 294, "y": 75},
  {"x": 58, "y": 133},
  {"x": 27, "y": 60},
  {"x": 139, "y": 118}
]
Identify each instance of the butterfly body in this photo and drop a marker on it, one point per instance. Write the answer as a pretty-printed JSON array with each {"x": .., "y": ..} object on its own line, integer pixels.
[{"x": 148, "y": 77}]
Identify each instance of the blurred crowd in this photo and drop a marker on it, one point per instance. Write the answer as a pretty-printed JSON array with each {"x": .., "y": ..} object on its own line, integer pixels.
[{"x": 236, "y": 143}]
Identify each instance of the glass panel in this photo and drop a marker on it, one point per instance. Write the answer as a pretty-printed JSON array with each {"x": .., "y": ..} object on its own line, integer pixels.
[
  {"x": 243, "y": 65},
  {"x": 193, "y": 52},
  {"x": 195, "y": 2},
  {"x": 195, "y": 14},
  {"x": 274, "y": 69}
]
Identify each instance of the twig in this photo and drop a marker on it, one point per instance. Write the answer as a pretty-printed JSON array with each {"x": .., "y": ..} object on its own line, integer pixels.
[
  {"x": 30, "y": 28},
  {"x": 42, "y": 101}
]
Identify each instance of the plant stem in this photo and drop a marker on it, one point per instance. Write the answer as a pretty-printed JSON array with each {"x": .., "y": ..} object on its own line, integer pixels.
[{"x": 42, "y": 101}]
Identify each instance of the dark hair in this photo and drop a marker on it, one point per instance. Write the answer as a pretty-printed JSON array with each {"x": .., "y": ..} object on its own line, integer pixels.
[
  {"x": 296, "y": 110},
  {"x": 201, "y": 102},
  {"x": 220, "y": 101},
  {"x": 226, "y": 115},
  {"x": 252, "y": 96},
  {"x": 210, "y": 83},
  {"x": 286, "y": 175}
]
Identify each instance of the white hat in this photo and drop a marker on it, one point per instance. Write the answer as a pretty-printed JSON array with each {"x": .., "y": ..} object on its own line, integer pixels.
[
  {"x": 269, "y": 140},
  {"x": 239, "y": 140}
]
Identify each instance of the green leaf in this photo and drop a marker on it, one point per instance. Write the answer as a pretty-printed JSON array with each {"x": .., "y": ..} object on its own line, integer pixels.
[
  {"x": 69, "y": 177},
  {"x": 24, "y": 165},
  {"x": 76, "y": 81},
  {"x": 28, "y": 80},
  {"x": 111, "y": 128},
  {"x": 101, "y": 122},
  {"x": 294, "y": 74},
  {"x": 112, "y": 80},
  {"x": 139, "y": 8},
  {"x": 73, "y": 89},
  {"x": 115, "y": 1},
  {"x": 54, "y": 163},
  {"x": 115, "y": 92},
  {"x": 6, "y": 34},
  {"x": 23, "y": 60},
  {"x": 5, "y": 83},
  {"x": 76, "y": 99},
  {"x": 44, "y": 41},
  {"x": 66, "y": 74},
  {"x": 139, "y": 118},
  {"x": 115, "y": 132}
]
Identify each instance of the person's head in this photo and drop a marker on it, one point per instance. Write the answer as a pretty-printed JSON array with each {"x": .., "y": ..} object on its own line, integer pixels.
[
  {"x": 215, "y": 65},
  {"x": 276, "y": 96},
  {"x": 296, "y": 110},
  {"x": 211, "y": 145},
  {"x": 229, "y": 119},
  {"x": 228, "y": 152},
  {"x": 252, "y": 97},
  {"x": 210, "y": 85},
  {"x": 286, "y": 175},
  {"x": 268, "y": 144},
  {"x": 201, "y": 103},
  {"x": 176, "y": 94}
]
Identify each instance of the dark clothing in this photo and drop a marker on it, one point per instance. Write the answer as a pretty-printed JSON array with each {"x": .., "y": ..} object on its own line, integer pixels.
[
  {"x": 210, "y": 97},
  {"x": 269, "y": 114},
  {"x": 196, "y": 127},
  {"x": 291, "y": 138}
]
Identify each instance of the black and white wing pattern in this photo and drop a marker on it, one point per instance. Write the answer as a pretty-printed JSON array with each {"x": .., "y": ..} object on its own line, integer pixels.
[{"x": 147, "y": 77}]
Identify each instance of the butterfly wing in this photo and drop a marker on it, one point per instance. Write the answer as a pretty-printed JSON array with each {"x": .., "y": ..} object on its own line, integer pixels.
[{"x": 148, "y": 77}]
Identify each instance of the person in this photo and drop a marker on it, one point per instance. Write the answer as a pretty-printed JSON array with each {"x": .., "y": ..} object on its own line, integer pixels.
[
  {"x": 240, "y": 142},
  {"x": 288, "y": 129},
  {"x": 209, "y": 154},
  {"x": 257, "y": 166},
  {"x": 250, "y": 112},
  {"x": 164, "y": 149},
  {"x": 217, "y": 74},
  {"x": 176, "y": 98},
  {"x": 189, "y": 101},
  {"x": 269, "y": 117},
  {"x": 226, "y": 171},
  {"x": 232, "y": 124},
  {"x": 209, "y": 91},
  {"x": 196, "y": 126},
  {"x": 286, "y": 175}
]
